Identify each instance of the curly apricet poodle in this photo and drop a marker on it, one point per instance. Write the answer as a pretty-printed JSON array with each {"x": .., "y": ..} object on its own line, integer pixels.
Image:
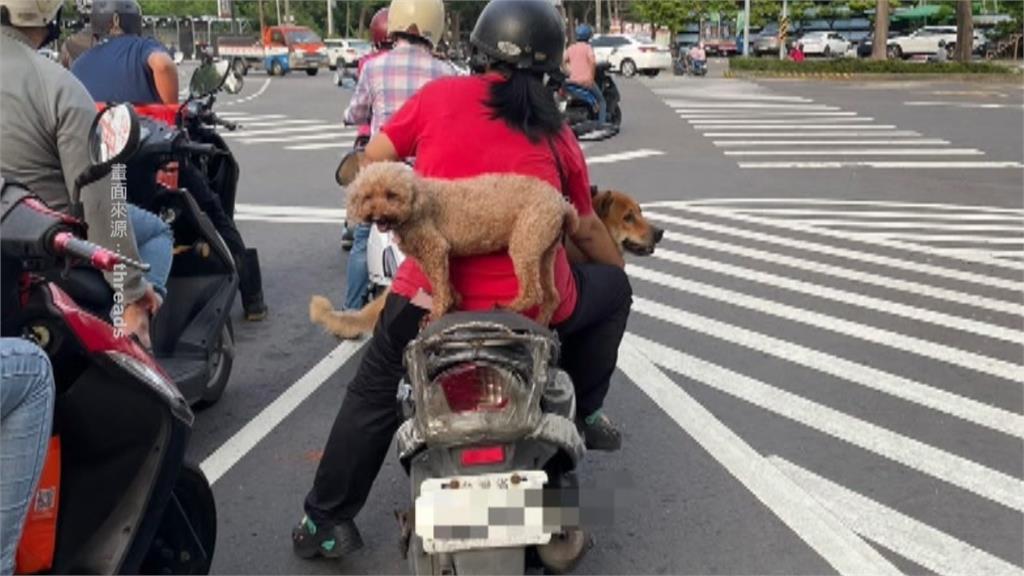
[{"x": 437, "y": 219}]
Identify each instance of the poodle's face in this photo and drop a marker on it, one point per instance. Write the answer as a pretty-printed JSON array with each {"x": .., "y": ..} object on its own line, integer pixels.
[{"x": 384, "y": 194}]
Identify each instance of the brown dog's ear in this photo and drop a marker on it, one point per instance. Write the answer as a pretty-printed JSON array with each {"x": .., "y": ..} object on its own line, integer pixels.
[{"x": 603, "y": 203}]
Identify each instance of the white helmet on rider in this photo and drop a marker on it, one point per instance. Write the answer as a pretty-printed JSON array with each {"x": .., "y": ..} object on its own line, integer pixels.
[
  {"x": 30, "y": 13},
  {"x": 422, "y": 19}
]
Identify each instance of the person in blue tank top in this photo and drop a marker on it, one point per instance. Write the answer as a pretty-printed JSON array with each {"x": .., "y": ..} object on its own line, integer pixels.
[{"x": 124, "y": 66}]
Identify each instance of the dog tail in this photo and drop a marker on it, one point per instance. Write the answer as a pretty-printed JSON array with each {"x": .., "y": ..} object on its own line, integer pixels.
[
  {"x": 572, "y": 219},
  {"x": 346, "y": 325}
]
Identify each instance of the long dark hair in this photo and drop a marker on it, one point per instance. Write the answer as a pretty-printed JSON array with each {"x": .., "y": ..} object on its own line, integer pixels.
[{"x": 525, "y": 104}]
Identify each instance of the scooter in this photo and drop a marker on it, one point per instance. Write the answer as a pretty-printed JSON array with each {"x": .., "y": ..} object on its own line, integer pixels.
[
  {"x": 193, "y": 338},
  {"x": 580, "y": 107},
  {"x": 490, "y": 446},
  {"x": 125, "y": 501}
]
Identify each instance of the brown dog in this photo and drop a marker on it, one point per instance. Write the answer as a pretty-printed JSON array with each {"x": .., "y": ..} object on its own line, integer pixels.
[
  {"x": 437, "y": 219},
  {"x": 619, "y": 212}
]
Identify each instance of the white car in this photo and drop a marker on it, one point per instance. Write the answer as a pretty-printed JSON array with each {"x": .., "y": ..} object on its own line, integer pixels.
[
  {"x": 925, "y": 41},
  {"x": 630, "y": 55},
  {"x": 826, "y": 44},
  {"x": 345, "y": 52}
]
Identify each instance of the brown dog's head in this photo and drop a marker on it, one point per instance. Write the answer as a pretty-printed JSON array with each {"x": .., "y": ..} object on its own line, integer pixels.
[
  {"x": 622, "y": 216},
  {"x": 383, "y": 193}
]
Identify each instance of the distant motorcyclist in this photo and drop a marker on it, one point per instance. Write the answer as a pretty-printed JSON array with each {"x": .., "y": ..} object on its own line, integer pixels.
[
  {"x": 385, "y": 83},
  {"x": 583, "y": 68},
  {"x": 146, "y": 72},
  {"x": 697, "y": 53},
  {"x": 76, "y": 44},
  {"x": 45, "y": 119},
  {"x": 381, "y": 44}
]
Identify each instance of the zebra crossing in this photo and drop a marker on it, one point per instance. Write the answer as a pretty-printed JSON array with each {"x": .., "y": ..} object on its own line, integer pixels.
[
  {"x": 742, "y": 288},
  {"x": 312, "y": 134},
  {"x": 769, "y": 131}
]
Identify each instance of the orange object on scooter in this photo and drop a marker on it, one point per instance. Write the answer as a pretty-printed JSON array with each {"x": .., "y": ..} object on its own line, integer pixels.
[{"x": 39, "y": 537}]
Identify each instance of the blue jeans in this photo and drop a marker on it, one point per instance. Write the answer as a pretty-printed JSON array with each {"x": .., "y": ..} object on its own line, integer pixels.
[
  {"x": 602, "y": 104},
  {"x": 357, "y": 275},
  {"x": 26, "y": 416},
  {"x": 156, "y": 246}
]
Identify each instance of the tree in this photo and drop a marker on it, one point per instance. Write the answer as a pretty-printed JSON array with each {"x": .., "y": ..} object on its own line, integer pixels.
[
  {"x": 964, "y": 31},
  {"x": 879, "y": 46}
]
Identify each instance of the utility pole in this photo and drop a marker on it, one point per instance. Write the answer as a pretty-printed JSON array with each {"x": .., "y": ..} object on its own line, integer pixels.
[
  {"x": 278, "y": 2},
  {"x": 783, "y": 31},
  {"x": 263, "y": 23},
  {"x": 746, "y": 28},
  {"x": 330, "y": 17},
  {"x": 287, "y": 11},
  {"x": 597, "y": 18},
  {"x": 348, "y": 17}
]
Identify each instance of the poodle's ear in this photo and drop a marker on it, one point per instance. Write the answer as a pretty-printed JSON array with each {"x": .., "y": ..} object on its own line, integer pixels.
[{"x": 603, "y": 203}]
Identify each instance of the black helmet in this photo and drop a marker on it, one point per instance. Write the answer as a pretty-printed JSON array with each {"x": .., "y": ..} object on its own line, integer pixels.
[
  {"x": 528, "y": 34},
  {"x": 125, "y": 13}
]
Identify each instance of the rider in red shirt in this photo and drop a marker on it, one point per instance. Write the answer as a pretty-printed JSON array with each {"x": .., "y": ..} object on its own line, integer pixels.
[{"x": 503, "y": 120}]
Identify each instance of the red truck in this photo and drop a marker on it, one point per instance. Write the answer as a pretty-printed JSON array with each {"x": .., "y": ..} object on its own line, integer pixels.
[{"x": 280, "y": 50}]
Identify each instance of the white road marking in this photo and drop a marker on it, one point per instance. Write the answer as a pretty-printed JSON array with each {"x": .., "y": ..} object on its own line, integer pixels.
[
  {"x": 1010, "y": 371},
  {"x": 289, "y": 210},
  {"x": 914, "y": 540},
  {"x": 289, "y": 219},
  {"x": 982, "y": 105},
  {"x": 622, "y": 156},
  {"x": 228, "y": 454},
  {"x": 271, "y": 124},
  {"x": 257, "y": 94},
  {"x": 846, "y": 297},
  {"x": 247, "y": 118},
  {"x": 284, "y": 130},
  {"x": 770, "y": 121},
  {"x": 925, "y": 238},
  {"x": 872, "y": 164},
  {"x": 967, "y": 409},
  {"x": 809, "y": 127},
  {"x": 802, "y": 263},
  {"x": 329, "y": 145},
  {"x": 752, "y": 97},
  {"x": 914, "y": 212},
  {"x": 919, "y": 225},
  {"x": 726, "y": 115},
  {"x": 861, "y": 152},
  {"x": 889, "y": 142},
  {"x": 296, "y": 138},
  {"x": 1014, "y": 285},
  {"x": 693, "y": 106},
  {"x": 836, "y": 544},
  {"x": 846, "y": 134},
  {"x": 958, "y": 471},
  {"x": 838, "y": 203}
]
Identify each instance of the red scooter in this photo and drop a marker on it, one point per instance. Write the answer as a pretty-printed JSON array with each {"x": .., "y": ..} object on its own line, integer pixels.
[{"x": 126, "y": 501}]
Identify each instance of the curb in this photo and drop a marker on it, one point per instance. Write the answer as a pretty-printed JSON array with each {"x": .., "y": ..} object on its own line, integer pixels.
[{"x": 1011, "y": 78}]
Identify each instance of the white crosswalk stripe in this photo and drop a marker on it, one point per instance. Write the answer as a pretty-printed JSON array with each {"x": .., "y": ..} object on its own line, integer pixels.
[
  {"x": 766, "y": 121},
  {"x": 314, "y": 135},
  {"x": 724, "y": 266}
]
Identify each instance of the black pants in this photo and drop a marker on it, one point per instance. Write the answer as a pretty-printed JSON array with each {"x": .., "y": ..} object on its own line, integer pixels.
[{"x": 368, "y": 418}]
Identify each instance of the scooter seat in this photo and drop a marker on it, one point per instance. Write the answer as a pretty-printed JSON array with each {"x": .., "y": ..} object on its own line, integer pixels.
[{"x": 581, "y": 93}]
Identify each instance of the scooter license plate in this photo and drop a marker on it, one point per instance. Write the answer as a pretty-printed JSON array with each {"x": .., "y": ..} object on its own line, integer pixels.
[{"x": 485, "y": 511}]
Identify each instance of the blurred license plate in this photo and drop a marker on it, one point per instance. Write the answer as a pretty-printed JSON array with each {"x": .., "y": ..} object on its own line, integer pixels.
[{"x": 485, "y": 511}]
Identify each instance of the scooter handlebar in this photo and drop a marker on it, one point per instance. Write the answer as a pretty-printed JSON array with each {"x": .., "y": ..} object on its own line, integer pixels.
[{"x": 68, "y": 244}]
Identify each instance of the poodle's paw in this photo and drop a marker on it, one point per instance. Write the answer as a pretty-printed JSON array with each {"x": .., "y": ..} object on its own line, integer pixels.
[{"x": 319, "y": 307}]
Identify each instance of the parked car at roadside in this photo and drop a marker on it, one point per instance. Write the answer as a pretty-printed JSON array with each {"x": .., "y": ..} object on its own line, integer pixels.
[
  {"x": 345, "y": 52},
  {"x": 865, "y": 46},
  {"x": 630, "y": 55},
  {"x": 825, "y": 44},
  {"x": 926, "y": 41}
]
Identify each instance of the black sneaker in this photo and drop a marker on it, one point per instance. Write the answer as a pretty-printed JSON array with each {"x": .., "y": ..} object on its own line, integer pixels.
[
  {"x": 310, "y": 540},
  {"x": 600, "y": 434}
]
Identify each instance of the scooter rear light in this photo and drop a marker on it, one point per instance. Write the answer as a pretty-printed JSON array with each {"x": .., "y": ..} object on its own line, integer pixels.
[
  {"x": 482, "y": 455},
  {"x": 474, "y": 388}
]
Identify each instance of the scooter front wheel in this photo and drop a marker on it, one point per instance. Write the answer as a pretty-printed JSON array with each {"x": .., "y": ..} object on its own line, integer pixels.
[
  {"x": 221, "y": 360},
  {"x": 185, "y": 541}
]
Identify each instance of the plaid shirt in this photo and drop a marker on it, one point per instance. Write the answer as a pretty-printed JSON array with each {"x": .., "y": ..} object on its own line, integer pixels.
[{"x": 386, "y": 82}]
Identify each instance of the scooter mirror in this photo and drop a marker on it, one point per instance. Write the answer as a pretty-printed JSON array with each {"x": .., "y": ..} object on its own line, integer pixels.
[
  {"x": 209, "y": 78},
  {"x": 348, "y": 168},
  {"x": 114, "y": 136}
]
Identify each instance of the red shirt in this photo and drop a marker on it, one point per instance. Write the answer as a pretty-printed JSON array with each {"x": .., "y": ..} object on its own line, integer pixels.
[{"x": 448, "y": 128}]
